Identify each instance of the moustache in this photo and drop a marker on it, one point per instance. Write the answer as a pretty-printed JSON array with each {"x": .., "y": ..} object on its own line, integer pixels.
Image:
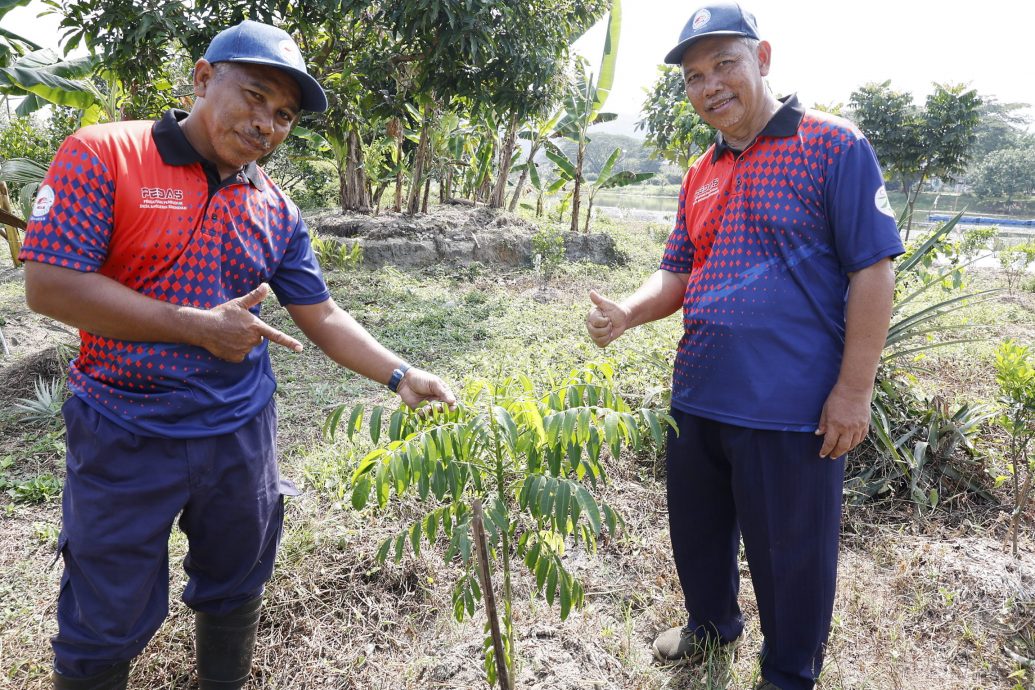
[{"x": 260, "y": 140}]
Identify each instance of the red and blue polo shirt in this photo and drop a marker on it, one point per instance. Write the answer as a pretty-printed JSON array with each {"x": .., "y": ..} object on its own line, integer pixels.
[
  {"x": 135, "y": 202},
  {"x": 768, "y": 237}
]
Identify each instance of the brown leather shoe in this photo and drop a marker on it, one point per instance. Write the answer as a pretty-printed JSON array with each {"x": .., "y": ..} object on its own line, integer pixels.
[{"x": 681, "y": 646}]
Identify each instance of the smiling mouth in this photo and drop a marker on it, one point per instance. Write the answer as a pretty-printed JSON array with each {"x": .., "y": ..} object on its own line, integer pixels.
[{"x": 721, "y": 104}]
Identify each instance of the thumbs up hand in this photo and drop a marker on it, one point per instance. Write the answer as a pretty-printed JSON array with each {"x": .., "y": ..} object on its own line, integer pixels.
[
  {"x": 606, "y": 320},
  {"x": 230, "y": 331}
]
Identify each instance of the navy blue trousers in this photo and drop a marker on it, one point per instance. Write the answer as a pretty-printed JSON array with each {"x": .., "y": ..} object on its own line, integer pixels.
[
  {"x": 772, "y": 488},
  {"x": 121, "y": 497}
]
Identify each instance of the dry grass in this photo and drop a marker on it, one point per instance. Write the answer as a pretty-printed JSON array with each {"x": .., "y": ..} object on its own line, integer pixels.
[{"x": 928, "y": 602}]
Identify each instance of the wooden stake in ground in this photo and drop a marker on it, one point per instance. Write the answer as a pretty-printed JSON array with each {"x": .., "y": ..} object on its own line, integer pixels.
[{"x": 490, "y": 598}]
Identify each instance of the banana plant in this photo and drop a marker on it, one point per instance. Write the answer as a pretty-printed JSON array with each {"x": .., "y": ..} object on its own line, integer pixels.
[
  {"x": 610, "y": 179},
  {"x": 537, "y": 133},
  {"x": 584, "y": 101},
  {"x": 42, "y": 78},
  {"x": 532, "y": 457}
]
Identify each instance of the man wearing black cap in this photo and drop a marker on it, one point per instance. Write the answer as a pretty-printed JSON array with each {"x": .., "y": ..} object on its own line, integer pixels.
[
  {"x": 159, "y": 241},
  {"x": 781, "y": 261}
]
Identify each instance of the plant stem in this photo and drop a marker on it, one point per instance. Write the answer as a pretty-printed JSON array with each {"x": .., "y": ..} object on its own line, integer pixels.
[
  {"x": 502, "y": 669},
  {"x": 501, "y": 490}
]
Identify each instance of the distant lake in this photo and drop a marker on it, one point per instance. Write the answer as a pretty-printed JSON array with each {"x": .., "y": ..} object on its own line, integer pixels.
[{"x": 657, "y": 208}]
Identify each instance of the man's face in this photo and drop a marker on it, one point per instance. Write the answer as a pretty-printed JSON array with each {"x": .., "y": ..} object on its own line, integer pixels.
[
  {"x": 246, "y": 111},
  {"x": 723, "y": 76}
]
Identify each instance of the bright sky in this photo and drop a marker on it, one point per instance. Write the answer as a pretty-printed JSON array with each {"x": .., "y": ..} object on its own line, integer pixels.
[
  {"x": 825, "y": 49},
  {"x": 822, "y": 49}
]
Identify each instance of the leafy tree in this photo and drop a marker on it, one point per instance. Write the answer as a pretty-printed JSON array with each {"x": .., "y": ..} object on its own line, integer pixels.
[
  {"x": 673, "y": 129},
  {"x": 1005, "y": 172},
  {"x": 1001, "y": 126},
  {"x": 1015, "y": 374},
  {"x": 582, "y": 106},
  {"x": 537, "y": 132},
  {"x": 917, "y": 144},
  {"x": 374, "y": 58}
]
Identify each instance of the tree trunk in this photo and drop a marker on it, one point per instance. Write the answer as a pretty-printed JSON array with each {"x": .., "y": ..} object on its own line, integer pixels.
[
  {"x": 353, "y": 186},
  {"x": 499, "y": 193},
  {"x": 10, "y": 232},
  {"x": 521, "y": 180},
  {"x": 911, "y": 197},
  {"x": 575, "y": 200},
  {"x": 589, "y": 212},
  {"x": 419, "y": 163},
  {"x": 427, "y": 191}
]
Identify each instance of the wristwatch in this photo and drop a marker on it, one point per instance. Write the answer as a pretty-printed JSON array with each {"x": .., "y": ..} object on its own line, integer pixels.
[{"x": 397, "y": 377}]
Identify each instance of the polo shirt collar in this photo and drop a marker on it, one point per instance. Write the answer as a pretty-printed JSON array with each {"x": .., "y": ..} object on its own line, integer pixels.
[
  {"x": 783, "y": 123},
  {"x": 176, "y": 150}
]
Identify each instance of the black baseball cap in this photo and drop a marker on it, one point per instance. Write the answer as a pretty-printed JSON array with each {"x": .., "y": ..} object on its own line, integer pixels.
[
  {"x": 261, "y": 44},
  {"x": 723, "y": 19}
]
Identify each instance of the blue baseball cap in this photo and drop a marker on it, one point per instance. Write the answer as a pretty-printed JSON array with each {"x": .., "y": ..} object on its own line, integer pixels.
[
  {"x": 724, "y": 19},
  {"x": 261, "y": 44}
]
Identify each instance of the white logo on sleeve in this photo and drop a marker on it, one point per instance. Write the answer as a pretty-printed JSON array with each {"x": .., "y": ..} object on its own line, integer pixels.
[
  {"x": 44, "y": 200},
  {"x": 880, "y": 200},
  {"x": 701, "y": 18}
]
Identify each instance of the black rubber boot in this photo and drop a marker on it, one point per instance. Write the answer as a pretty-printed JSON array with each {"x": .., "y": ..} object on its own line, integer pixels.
[
  {"x": 115, "y": 678},
  {"x": 224, "y": 646}
]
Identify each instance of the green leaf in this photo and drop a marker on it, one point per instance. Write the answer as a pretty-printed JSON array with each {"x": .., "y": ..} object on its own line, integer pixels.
[
  {"x": 542, "y": 569},
  {"x": 395, "y": 425},
  {"x": 612, "y": 519},
  {"x": 415, "y": 533},
  {"x": 400, "y": 544},
  {"x": 655, "y": 427},
  {"x": 561, "y": 506},
  {"x": 375, "y": 423},
  {"x": 330, "y": 424},
  {"x": 355, "y": 419},
  {"x": 361, "y": 492},
  {"x": 567, "y": 168},
  {"x": 605, "y": 171},
  {"x": 382, "y": 551},
  {"x": 551, "y": 585},
  {"x": 566, "y": 592},
  {"x": 589, "y": 507}
]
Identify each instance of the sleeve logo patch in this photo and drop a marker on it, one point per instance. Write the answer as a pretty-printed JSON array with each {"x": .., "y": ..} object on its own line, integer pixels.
[
  {"x": 44, "y": 200},
  {"x": 882, "y": 203}
]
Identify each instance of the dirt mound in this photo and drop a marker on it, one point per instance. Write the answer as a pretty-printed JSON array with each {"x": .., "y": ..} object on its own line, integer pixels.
[{"x": 454, "y": 234}]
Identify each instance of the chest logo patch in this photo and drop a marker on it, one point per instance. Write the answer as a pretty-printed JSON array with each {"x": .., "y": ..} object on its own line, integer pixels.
[
  {"x": 162, "y": 197},
  {"x": 709, "y": 189},
  {"x": 882, "y": 203},
  {"x": 44, "y": 200}
]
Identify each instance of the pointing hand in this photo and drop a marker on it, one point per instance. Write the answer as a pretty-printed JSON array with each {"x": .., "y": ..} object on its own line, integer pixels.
[{"x": 231, "y": 331}]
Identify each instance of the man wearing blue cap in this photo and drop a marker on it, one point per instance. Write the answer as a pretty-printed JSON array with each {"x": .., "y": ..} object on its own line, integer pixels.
[
  {"x": 781, "y": 261},
  {"x": 159, "y": 241}
]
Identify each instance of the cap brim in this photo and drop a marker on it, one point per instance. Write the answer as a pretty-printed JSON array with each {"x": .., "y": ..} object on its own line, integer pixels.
[
  {"x": 314, "y": 99},
  {"x": 675, "y": 56}
]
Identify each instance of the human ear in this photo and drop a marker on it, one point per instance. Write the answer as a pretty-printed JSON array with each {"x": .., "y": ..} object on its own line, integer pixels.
[
  {"x": 765, "y": 54},
  {"x": 203, "y": 73}
]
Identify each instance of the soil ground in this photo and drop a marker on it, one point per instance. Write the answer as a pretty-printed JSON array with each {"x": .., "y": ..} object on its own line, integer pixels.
[{"x": 924, "y": 601}]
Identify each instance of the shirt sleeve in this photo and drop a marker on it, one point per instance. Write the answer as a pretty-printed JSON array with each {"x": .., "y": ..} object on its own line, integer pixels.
[
  {"x": 298, "y": 279},
  {"x": 861, "y": 218},
  {"x": 679, "y": 251},
  {"x": 72, "y": 217}
]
